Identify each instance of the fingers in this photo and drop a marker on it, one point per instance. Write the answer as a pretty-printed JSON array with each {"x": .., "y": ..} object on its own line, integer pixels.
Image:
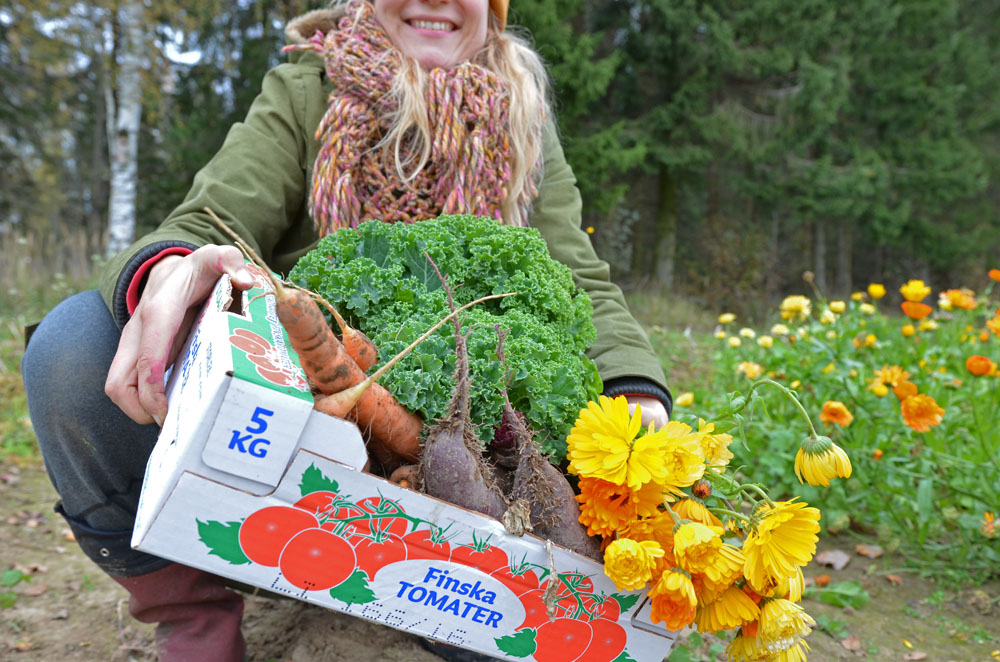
[
  {"x": 651, "y": 408},
  {"x": 122, "y": 381}
]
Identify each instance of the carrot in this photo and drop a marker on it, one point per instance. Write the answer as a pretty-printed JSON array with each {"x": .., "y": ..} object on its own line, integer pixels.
[
  {"x": 406, "y": 476},
  {"x": 358, "y": 345}
]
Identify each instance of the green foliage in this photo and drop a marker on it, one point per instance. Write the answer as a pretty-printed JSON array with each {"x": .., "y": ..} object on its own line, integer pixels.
[
  {"x": 379, "y": 277},
  {"x": 9, "y": 579},
  {"x": 223, "y": 540},
  {"x": 519, "y": 644},
  {"x": 841, "y": 594},
  {"x": 354, "y": 590},
  {"x": 313, "y": 480}
]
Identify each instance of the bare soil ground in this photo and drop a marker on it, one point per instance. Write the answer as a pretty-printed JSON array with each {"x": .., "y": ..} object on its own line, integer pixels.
[{"x": 68, "y": 610}]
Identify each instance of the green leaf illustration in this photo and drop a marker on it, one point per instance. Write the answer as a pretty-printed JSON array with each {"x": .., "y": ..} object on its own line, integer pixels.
[
  {"x": 624, "y": 657},
  {"x": 625, "y": 601},
  {"x": 223, "y": 540},
  {"x": 521, "y": 644},
  {"x": 313, "y": 480},
  {"x": 354, "y": 590}
]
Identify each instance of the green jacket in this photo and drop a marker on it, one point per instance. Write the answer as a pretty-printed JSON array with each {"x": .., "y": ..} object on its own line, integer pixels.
[{"x": 258, "y": 182}]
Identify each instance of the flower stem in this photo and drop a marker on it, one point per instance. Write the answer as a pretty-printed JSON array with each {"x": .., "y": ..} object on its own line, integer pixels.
[
  {"x": 731, "y": 513},
  {"x": 787, "y": 391},
  {"x": 758, "y": 490}
]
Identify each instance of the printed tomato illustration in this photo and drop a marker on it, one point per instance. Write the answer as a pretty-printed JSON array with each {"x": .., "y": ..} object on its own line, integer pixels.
[
  {"x": 609, "y": 609},
  {"x": 574, "y": 581},
  {"x": 481, "y": 555},
  {"x": 316, "y": 560},
  {"x": 534, "y": 609},
  {"x": 321, "y": 505},
  {"x": 421, "y": 545},
  {"x": 373, "y": 555},
  {"x": 562, "y": 640},
  {"x": 518, "y": 581},
  {"x": 265, "y": 532},
  {"x": 384, "y": 522},
  {"x": 607, "y": 642}
]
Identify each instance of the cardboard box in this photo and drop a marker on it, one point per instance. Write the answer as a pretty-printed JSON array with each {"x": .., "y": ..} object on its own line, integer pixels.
[{"x": 247, "y": 481}]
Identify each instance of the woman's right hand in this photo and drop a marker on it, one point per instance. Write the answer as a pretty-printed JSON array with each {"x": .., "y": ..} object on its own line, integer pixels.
[{"x": 174, "y": 292}]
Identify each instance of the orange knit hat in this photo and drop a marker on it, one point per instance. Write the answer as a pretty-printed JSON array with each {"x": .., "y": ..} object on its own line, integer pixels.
[{"x": 499, "y": 8}]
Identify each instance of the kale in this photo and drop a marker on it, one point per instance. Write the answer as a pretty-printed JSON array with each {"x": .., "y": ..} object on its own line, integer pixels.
[{"x": 378, "y": 277}]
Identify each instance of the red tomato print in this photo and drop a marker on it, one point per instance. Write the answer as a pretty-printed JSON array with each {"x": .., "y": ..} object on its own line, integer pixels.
[
  {"x": 420, "y": 545},
  {"x": 374, "y": 555},
  {"x": 518, "y": 581},
  {"x": 264, "y": 533},
  {"x": 609, "y": 609},
  {"x": 316, "y": 560},
  {"x": 487, "y": 558},
  {"x": 562, "y": 640},
  {"x": 321, "y": 505},
  {"x": 607, "y": 643},
  {"x": 385, "y": 522},
  {"x": 534, "y": 609}
]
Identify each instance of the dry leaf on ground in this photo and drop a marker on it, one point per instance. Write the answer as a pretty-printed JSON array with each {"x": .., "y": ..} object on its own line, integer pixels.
[
  {"x": 36, "y": 589},
  {"x": 871, "y": 551},
  {"x": 894, "y": 579},
  {"x": 822, "y": 580},
  {"x": 851, "y": 643},
  {"x": 915, "y": 655},
  {"x": 834, "y": 558}
]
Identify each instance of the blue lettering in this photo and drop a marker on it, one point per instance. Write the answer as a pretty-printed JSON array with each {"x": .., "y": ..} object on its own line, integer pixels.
[
  {"x": 480, "y": 615},
  {"x": 476, "y": 592},
  {"x": 494, "y": 619},
  {"x": 259, "y": 452},
  {"x": 417, "y": 594},
  {"x": 402, "y": 590},
  {"x": 489, "y": 597},
  {"x": 432, "y": 573},
  {"x": 453, "y": 607},
  {"x": 452, "y": 584},
  {"x": 468, "y": 606},
  {"x": 434, "y": 601},
  {"x": 237, "y": 441}
]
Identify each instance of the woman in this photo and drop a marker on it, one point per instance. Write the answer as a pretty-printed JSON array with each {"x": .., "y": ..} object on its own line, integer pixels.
[{"x": 393, "y": 109}]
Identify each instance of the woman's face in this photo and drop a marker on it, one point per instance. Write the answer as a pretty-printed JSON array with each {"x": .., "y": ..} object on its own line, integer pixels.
[{"x": 437, "y": 33}]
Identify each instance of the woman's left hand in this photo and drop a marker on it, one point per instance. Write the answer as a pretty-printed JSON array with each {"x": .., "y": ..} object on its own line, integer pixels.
[{"x": 652, "y": 409}]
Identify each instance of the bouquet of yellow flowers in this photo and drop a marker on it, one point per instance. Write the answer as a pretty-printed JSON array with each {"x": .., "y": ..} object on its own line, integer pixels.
[{"x": 714, "y": 552}]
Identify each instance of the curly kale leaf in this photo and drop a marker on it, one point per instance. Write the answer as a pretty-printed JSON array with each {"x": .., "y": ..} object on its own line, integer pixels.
[{"x": 379, "y": 277}]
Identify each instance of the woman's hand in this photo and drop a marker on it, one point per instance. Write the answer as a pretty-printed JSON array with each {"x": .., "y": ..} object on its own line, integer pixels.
[
  {"x": 175, "y": 289},
  {"x": 652, "y": 410}
]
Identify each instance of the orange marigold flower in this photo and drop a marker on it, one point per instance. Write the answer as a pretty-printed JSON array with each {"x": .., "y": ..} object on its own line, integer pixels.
[
  {"x": 991, "y": 525},
  {"x": 836, "y": 412},
  {"x": 994, "y": 325},
  {"x": 915, "y": 310},
  {"x": 877, "y": 455},
  {"x": 606, "y": 507},
  {"x": 979, "y": 365},
  {"x": 905, "y": 390},
  {"x": 963, "y": 298},
  {"x": 921, "y": 412},
  {"x": 995, "y": 274},
  {"x": 889, "y": 375}
]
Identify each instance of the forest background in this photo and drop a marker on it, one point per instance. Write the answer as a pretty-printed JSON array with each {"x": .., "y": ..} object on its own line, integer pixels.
[{"x": 722, "y": 148}]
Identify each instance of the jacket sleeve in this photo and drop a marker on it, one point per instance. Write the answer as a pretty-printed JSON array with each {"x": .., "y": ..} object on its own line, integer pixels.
[
  {"x": 255, "y": 183},
  {"x": 622, "y": 352}
]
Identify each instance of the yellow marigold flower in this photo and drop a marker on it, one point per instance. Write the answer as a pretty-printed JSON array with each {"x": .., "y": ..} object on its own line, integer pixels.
[
  {"x": 857, "y": 296},
  {"x": 714, "y": 447},
  {"x": 835, "y": 411},
  {"x": 590, "y": 229},
  {"x": 795, "y": 384},
  {"x": 685, "y": 399},
  {"x": 766, "y": 342},
  {"x": 629, "y": 564},
  {"x": 782, "y": 624},
  {"x": 831, "y": 334},
  {"x": 876, "y": 291},
  {"x": 674, "y": 602},
  {"x": 734, "y": 341},
  {"x": 927, "y": 324},
  {"x": 921, "y": 412},
  {"x": 908, "y": 331},
  {"x": 915, "y": 290},
  {"x": 819, "y": 460},
  {"x": 603, "y": 445},
  {"x": 658, "y": 529},
  {"x": 994, "y": 325},
  {"x": 605, "y": 507},
  {"x": 722, "y": 572},
  {"x": 791, "y": 588},
  {"x": 795, "y": 308},
  {"x": 867, "y": 309},
  {"x": 747, "y": 332},
  {"x": 695, "y": 546},
  {"x": 684, "y": 462},
  {"x": 750, "y": 369},
  {"x": 838, "y": 306},
  {"x": 828, "y": 368},
  {"x": 696, "y": 512},
  {"x": 870, "y": 340},
  {"x": 747, "y": 648},
  {"x": 726, "y": 318},
  {"x": 780, "y": 330},
  {"x": 720, "y": 334},
  {"x": 730, "y": 610},
  {"x": 880, "y": 390},
  {"x": 963, "y": 298},
  {"x": 890, "y": 375},
  {"x": 782, "y": 541},
  {"x": 991, "y": 525}
]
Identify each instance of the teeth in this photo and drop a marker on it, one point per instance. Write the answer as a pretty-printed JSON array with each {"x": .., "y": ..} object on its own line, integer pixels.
[{"x": 432, "y": 25}]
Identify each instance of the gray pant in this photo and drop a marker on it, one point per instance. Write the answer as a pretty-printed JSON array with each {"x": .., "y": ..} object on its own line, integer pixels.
[{"x": 95, "y": 455}]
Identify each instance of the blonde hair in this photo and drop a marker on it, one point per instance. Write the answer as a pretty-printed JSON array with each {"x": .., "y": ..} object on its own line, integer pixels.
[{"x": 512, "y": 58}]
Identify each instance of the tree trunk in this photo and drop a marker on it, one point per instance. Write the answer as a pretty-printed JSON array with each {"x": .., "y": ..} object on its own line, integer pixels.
[
  {"x": 123, "y": 141},
  {"x": 845, "y": 278},
  {"x": 666, "y": 230},
  {"x": 819, "y": 254}
]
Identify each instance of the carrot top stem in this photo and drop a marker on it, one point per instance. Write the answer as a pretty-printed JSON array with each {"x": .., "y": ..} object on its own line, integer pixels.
[{"x": 247, "y": 250}]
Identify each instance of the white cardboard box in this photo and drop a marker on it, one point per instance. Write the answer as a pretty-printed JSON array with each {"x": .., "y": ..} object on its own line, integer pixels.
[{"x": 247, "y": 481}]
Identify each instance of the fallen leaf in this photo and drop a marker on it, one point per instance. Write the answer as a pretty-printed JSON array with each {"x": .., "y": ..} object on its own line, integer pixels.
[
  {"x": 822, "y": 580},
  {"x": 23, "y": 645},
  {"x": 871, "y": 551},
  {"x": 894, "y": 579},
  {"x": 907, "y": 643},
  {"x": 915, "y": 655},
  {"x": 851, "y": 643},
  {"x": 834, "y": 558},
  {"x": 808, "y": 581},
  {"x": 68, "y": 535},
  {"x": 30, "y": 568},
  {"x": 36, "y": 589}
]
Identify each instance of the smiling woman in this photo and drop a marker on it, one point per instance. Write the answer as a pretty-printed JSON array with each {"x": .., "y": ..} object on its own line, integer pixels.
[{"x": 436, "y": 34}]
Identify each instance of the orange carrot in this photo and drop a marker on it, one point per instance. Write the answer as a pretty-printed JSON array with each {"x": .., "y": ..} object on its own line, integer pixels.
[{"x": 358, "y": 345}]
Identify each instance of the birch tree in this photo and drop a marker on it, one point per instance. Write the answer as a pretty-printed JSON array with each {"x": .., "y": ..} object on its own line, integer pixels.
[{"x": 124, "y": 104}]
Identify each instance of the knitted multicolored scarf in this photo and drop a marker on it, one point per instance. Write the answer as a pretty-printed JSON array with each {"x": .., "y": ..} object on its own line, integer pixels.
[{"x": 467, "y": 109}]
